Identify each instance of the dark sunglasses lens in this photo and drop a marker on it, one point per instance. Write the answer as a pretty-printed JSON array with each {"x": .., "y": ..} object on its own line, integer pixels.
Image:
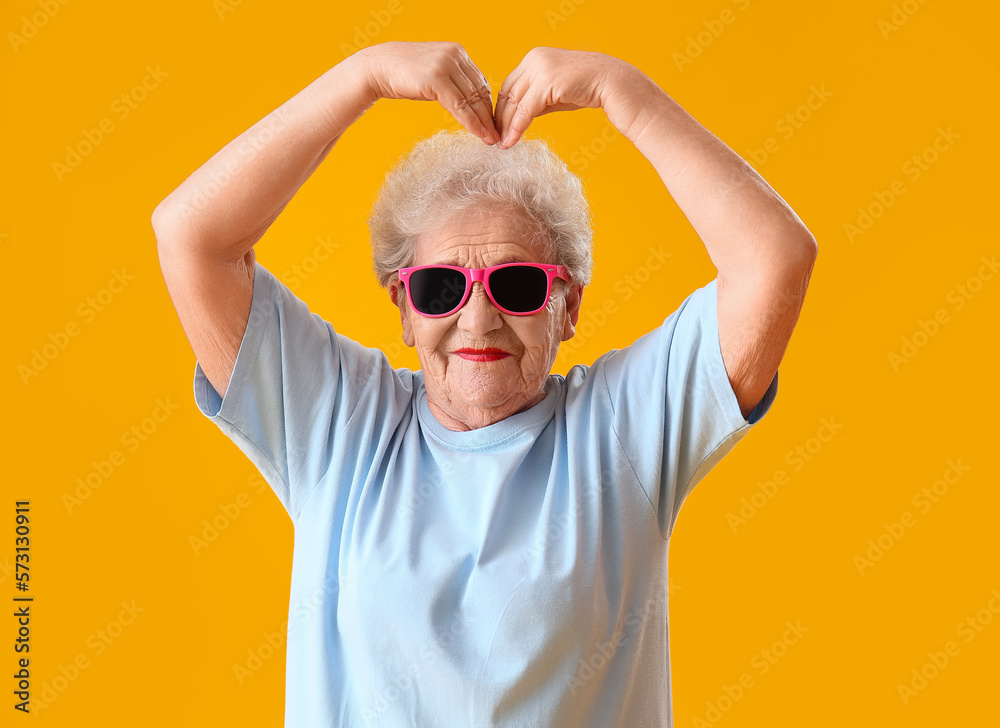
[
  {"x": 436, "y": 290},
  {"x": 519, "y": 288}
]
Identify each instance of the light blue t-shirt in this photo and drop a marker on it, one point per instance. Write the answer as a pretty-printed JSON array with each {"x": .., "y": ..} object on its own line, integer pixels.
[{"x": 512, "y": 575}]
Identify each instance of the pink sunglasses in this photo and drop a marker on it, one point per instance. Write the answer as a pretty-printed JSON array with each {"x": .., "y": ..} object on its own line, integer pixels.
[{"x": 520, "y": 289}]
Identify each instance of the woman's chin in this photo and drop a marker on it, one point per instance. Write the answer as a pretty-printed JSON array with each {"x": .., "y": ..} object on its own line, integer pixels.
[{"x": 489, "y": 392}]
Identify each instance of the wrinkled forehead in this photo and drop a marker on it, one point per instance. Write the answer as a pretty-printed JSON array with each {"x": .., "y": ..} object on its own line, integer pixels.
[{"x": 481, "y": 238}]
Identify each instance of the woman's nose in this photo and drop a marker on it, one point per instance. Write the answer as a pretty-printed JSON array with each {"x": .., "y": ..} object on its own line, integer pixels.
[{"x": 479, "y": 311}]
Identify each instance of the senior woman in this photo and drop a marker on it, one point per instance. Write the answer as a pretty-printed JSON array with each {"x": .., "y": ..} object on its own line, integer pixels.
[{"x": 480, "y": 542}]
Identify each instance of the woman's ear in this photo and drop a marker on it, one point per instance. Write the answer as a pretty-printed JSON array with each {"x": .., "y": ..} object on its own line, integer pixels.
[
  {"x": 574, "y": 296},
  {"x": 398, "y": 296}
]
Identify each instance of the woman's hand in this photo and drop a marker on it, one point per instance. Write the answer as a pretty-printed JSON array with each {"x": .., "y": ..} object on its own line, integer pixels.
[
  {"x": 433, "y": 71},
  {"x": 555, "y": 79}
]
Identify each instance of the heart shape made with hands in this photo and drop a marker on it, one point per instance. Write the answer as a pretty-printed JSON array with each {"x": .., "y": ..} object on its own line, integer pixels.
[{"x": 552, "y": 79}]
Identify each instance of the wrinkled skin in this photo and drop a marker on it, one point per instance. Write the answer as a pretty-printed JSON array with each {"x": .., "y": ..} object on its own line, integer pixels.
[{"x": 466, "y": 395}]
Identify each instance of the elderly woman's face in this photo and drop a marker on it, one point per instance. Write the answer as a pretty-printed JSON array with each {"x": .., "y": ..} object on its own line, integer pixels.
[{"x": 464, "y": 393}]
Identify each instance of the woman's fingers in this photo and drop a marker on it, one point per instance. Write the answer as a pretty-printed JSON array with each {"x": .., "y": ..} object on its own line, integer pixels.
[
  {"x": 433, "y": 71},
  {"x": 501, "y": 114},
  {"x": 474, "y": 101},
  {"x": 464, "y": 92},
  {"x": 549, "y": 79},
  {"x": 516, "y": 108}
]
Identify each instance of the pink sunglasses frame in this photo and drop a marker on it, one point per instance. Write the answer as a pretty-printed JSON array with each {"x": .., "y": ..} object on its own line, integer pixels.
[{"x": 482, "y": 275}]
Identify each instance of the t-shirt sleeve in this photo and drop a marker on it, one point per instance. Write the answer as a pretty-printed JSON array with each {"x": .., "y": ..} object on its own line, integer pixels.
[
  {"x": 294, "y": 387},
  {"x": 674, "y": 410}
]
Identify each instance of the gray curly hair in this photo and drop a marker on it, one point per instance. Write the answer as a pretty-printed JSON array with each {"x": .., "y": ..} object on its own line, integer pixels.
[{"x": 454, "y": 171}]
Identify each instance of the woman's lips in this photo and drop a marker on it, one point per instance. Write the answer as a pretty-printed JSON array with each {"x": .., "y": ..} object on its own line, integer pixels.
[{"x": 481, "y": 354}]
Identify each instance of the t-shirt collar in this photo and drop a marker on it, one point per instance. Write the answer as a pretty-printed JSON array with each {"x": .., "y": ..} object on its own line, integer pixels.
[{"x": 491, "y": 435}]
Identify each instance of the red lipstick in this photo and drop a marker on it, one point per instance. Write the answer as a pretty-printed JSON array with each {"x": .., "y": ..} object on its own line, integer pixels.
[{"x": 488, "y": 354}]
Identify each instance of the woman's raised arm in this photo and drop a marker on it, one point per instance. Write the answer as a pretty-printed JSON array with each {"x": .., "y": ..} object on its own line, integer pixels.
[
  {"x": 764, "y": 253},
  {"x": 230, "y": 201},
  {"x": 225, "y": 205},
  {"x": 207, "y": 227}
]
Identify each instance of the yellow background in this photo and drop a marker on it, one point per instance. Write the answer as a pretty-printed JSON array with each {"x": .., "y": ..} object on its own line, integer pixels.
[{"x": 61, "y": 241}]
